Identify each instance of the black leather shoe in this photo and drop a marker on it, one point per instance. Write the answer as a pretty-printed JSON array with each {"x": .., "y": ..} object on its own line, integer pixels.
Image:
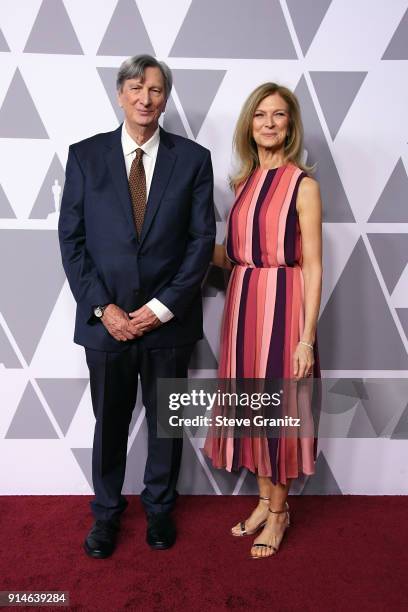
[
  {"x": 101, "y": 540},
  {"x": 161, "y": 531}
]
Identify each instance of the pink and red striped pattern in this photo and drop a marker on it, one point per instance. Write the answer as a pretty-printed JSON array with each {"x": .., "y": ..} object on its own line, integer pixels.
[{"x": 264, "y": 314}]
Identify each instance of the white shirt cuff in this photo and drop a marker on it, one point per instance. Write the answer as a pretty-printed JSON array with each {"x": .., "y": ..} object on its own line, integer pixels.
[{"x": 160, "y": 310}]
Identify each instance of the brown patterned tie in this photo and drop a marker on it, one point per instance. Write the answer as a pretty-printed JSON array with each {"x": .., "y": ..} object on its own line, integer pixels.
[{"x": 137, "y": 186}]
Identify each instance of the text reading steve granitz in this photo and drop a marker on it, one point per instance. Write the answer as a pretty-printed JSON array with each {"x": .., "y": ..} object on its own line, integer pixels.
[{"x": 218, "y": 399}]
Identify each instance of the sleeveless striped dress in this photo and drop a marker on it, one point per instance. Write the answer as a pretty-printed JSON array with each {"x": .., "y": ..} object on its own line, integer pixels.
[{"x": 264, "y": 315}]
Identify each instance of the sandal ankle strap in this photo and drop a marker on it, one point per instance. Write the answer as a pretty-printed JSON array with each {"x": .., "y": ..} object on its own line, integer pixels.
[
  {"x": 281, "y": 511},
  {"x": 265, "y": 498}
]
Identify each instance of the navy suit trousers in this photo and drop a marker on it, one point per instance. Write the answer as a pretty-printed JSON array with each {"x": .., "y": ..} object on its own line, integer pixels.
[{"x": 114, "y": 382}]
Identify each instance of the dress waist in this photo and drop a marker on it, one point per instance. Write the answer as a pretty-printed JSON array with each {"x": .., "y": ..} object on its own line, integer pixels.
[{"x": 296, "y": 265}]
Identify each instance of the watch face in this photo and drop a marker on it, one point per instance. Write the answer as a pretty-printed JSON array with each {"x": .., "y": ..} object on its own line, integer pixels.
[{"x": 98, "y": 312}]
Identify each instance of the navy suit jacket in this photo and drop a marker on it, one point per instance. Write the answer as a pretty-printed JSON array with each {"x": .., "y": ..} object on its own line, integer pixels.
[{"x": 102, "y": 257}]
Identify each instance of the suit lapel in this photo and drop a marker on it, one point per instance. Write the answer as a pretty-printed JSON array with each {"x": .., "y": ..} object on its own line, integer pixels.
[
  {"x": 162, "y": 172},
  {"x": 117, "y": 168}
]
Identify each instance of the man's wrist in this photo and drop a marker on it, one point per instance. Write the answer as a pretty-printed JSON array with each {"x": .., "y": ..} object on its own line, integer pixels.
[
  {"x": 160, "y": 310},
  {"x": 99, "y": 311}
]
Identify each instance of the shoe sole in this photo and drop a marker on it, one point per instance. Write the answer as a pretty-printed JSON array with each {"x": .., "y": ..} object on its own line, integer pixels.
[
  {"x": 96, "y": 555},
  {"x": 160, "y": 546}
]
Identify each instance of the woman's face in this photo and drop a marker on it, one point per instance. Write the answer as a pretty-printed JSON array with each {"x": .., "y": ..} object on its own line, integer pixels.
[{"x": 271, "y": 122}]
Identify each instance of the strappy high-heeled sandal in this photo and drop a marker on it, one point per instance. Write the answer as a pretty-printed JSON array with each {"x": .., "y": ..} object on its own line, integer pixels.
[
  {"x": 260, "y": 545},
  {"x": 244, "y": 531}
]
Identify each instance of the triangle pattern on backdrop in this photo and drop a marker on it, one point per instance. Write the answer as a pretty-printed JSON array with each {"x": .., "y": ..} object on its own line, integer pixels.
[
  {"x": 172, "y": 121},
  {"x": 126, "y": 33},
  {"x": 63, "y": 396},
  {"x": 337, "y": 208},
  {"x": 197, "y": 90},
  {"x": 336, "y": 92},
  {"x": 203, "y": 358},
  {"x": 30, "y": 421},
  {"x": 3, "y": 43},
  {"x": 52, "y": 31},
  {"x": 350, "y": 387},
  {"x": 323, "y": 481},
  {"x": 401, "y": 429},
  {"x": 356, "y": 329},
  {"x": 307, "y": 17},
  {"x": 19, "y": 117},
  {"x": 220, "y": 198},
  {"x": 249, "y": 484},
  {"x": 193, "y": 479},
  {"x": 83, "y": 457},
  {"x": 387, "y": 397},
  {"x": 34, "y": 274},
  {"x": 48, "y": 200},
  {"x": 392, "y": 205},
  {"x": 397, "y": 48},
  {"x": 6, "y": 211},
  {"x": 403, "y": 317},
  {"x": 137, "y": 409},
  {"x": 361, "y": 426},
  {"x": 225, "y": 480},
  {"x": 8, "y": 358},
  {"x": 340, "y": 397},
  {"x": 235, "y": 30},
  {"x": 108, "y": 78},
  {"x": 391, "y": 253}
]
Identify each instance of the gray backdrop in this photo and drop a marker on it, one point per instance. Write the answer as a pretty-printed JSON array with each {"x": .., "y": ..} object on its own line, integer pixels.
[{"x": 347, "y": 62}]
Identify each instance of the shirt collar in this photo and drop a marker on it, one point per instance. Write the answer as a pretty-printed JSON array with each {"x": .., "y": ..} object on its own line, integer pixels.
[{"x": 150, "y": 147}]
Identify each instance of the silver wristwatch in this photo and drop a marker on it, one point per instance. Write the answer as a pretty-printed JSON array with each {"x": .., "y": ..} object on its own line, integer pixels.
[{"x": 99, "y": 310}]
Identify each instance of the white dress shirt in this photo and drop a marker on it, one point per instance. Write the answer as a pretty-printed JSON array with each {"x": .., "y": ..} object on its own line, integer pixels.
[{"x": 150, "y": 149}]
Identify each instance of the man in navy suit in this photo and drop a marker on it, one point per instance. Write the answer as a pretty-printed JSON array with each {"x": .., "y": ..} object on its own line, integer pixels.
[{"x": 136, "y": 232}]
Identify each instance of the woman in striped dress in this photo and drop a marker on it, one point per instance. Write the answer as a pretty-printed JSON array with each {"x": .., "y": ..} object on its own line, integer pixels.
[{"x": 273, "y": 247}]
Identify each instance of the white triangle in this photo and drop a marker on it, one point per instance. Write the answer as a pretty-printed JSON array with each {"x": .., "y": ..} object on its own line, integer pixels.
[
  {"x": 80, "y": 432},
  {"x": 77, "y": 115},
  {"x": 12, "y": 386},
  {"x": 50, "y": 470},
  {"x": 57, "y": 355},
  {"x": 23, "y": 193},
  {"x": 162, "y": 32},
  {"x": 94, "y": 12},
  {"x": 370, "y": 457},
  {"x": 340, "y": 36},
  {"x": 17, "y": 21}
]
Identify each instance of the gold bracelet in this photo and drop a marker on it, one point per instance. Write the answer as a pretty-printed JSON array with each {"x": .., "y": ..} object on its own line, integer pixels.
[{"x": 306, "y": 344}]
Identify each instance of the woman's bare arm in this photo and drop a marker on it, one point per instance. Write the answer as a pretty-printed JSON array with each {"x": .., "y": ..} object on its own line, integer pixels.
[
  {"x": 309, "y": 207},
  {"x": 220, "y": 258}
]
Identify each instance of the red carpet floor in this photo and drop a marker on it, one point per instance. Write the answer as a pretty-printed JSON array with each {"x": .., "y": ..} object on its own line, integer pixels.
[{"x": 340, "y": 553}]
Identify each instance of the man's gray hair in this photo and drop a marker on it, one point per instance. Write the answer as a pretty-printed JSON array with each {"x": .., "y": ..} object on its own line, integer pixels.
[{"x": 134, "y": 68}]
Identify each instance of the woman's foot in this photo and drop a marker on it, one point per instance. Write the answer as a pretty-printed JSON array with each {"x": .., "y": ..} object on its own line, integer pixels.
[
  {"x": 255, "y": 521},
  {"x": 269, "y": 541}
]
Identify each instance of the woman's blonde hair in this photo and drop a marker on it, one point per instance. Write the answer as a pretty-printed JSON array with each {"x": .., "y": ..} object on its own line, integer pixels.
[{"x": 244, "y": 144}]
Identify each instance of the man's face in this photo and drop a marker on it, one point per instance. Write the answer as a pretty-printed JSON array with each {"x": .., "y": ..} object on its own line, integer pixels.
[{"x": 143, "y": 100}]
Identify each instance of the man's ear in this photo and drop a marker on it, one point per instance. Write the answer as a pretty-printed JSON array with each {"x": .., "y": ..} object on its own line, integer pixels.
[{"x": 118, "y": 96}]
